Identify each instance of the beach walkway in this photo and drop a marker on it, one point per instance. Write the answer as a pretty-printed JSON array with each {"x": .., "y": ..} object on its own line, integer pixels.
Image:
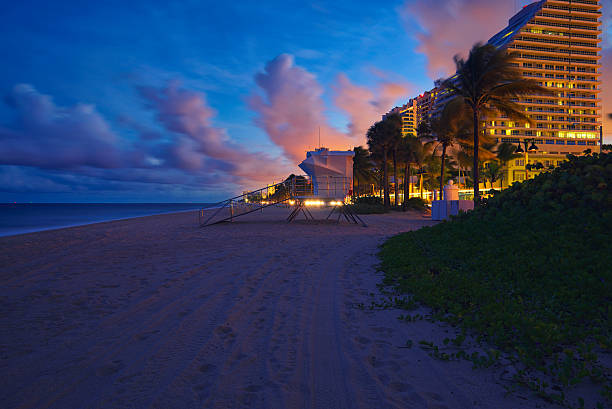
[{"x": 158, "y": 313}]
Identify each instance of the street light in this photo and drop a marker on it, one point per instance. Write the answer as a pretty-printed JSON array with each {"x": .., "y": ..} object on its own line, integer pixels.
[{"x": 533, "y": 148}]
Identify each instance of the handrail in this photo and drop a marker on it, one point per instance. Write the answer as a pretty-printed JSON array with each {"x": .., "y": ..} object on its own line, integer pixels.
[{"x": 298, "y": 187}]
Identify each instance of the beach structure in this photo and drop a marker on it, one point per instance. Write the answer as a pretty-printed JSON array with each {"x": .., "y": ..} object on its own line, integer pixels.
[
  {"x": 450, "y": 205},
  {"x": 331, "y": 173},
  {"x": 328, "y": 183}
]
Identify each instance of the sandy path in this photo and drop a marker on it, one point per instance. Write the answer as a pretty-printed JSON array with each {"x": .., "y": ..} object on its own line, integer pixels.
[{"x": 157, "y": 313}]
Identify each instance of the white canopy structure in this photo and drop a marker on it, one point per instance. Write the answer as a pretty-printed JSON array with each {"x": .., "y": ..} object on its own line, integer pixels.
[{"x": 331, "y": 172}]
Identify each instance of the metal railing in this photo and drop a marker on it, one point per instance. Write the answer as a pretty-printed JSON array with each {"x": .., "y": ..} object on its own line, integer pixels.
[{"x": 295, "y": 188}]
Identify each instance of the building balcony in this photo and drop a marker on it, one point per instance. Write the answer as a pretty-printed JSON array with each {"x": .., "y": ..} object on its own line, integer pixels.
[
  {"x": 543, "y": 70},
  {"x": 533, "y": 58},
  {"x": 535, "y": 42},
  {"x": 544, "y": 23},
  {"x": 573, "y": 18},
  {"x": 582, "y": 11},
  {"x": 594, "y": 4},
  {"x": 559, "y": 52}
]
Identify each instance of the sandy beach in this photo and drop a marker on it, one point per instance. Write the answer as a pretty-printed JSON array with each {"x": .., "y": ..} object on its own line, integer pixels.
[{"x": 156, "y": 312}]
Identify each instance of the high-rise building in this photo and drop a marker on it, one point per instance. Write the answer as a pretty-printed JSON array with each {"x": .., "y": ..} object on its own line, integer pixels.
[{"x": 557, "y": 43}]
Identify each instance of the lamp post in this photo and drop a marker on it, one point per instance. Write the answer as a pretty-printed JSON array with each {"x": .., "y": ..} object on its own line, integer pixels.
[{"x": 533, "y": 148}]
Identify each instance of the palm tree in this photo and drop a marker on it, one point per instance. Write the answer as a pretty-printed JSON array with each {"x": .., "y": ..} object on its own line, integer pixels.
[
  {"x": 488, "y": 82},
  {"x": 451, "y": 125},
  {"x": 405, "y": 149},
  {"x": 362, "y": 167},
  {"x": 382, "y": 136},
  {"x": 492, "y": 171},
  {"x": 420, "y": 155},
  {"x": 505, "y": 153}
]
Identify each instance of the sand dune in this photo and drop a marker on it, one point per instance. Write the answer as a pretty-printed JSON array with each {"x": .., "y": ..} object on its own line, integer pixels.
[{"x": 157, "y": 313}]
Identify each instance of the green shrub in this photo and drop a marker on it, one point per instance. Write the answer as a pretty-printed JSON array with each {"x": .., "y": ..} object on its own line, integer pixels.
[
  {"x": 366, "y": 208},
  {"x": 415, "y": 203},
  {"x": 530, "y": 270},
  {"x": 368, "y": 200}
]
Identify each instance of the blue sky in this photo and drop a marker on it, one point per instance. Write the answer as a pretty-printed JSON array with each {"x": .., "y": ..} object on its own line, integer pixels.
[{"x": 99, "y": 56}]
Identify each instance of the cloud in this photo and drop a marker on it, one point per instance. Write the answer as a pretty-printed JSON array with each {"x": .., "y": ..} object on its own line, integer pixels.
[
  {"x": 49, "y": 136},
  {"x": 74, "y": 148},
  {"x": 292, "y": 109},
  {"x": 450, "y": 27},
  {"x": 364, "y": 106},
  {"x": 196, "y": 144}
]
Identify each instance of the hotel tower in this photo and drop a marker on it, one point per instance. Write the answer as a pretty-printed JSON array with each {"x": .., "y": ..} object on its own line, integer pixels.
[{"x": 557, "y": 43}]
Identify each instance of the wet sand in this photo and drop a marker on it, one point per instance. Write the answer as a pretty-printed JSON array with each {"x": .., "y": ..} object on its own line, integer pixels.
[{"x": 155, "y": 312}]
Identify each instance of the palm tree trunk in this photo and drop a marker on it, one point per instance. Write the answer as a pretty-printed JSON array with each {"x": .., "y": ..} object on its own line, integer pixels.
[
  {"x": 356, "y": 186},
  {"x": 421, "y": 185},
  {"x": 476, "y": 146},
  {"x": 395, "y": 184},
  {"x": 387, "y": 200},
  {"x": 442, "y": 170},
  {"x": 406, "y": 186}
]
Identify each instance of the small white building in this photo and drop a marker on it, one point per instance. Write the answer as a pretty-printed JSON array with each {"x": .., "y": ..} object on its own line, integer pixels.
[{"x": 331, "y": 172}]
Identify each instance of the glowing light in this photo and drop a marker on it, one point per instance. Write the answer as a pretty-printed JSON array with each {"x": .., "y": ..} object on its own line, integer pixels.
[{"x": 314, "y": 203}]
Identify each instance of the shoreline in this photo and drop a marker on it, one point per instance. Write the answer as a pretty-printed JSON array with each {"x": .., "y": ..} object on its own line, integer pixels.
[{"x": 69, "y": 226}]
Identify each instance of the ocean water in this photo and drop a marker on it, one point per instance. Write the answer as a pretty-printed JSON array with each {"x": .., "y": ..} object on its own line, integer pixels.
[{"x": 26, "y": 218}]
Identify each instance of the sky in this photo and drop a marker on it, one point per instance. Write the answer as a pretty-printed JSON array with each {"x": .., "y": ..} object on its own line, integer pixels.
[{"x": 194, "y": 101}]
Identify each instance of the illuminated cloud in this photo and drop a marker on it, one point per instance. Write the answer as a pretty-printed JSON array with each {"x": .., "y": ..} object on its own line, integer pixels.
[
  {"x": 364, "y": 106},
  {"x": 450, "y": 27},
  {"x": 291, "y": 108}
]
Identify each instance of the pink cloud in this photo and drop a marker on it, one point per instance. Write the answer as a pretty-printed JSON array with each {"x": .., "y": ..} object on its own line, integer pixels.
[
  {"x": 364, "y": 106},
  {"x": 291, "y": 109},
  {"x": 450, "y": 27}
]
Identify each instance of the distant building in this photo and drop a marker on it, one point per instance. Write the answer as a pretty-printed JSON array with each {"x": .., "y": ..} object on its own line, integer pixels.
[
  {"x": 415, "y": 111},
  {"x": 408, "y": 114}
]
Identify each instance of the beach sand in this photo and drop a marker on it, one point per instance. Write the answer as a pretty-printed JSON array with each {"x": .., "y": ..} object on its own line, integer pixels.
[{"x": 156, "y": 312}]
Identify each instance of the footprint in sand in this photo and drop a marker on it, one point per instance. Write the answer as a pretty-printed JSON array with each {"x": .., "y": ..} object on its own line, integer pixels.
[
  {"x": 400, "y": 387},
  {"x": 207, "y": 368},
  {"x": 226, "y": 333},
  {"x": 362, "y": 340},
  {"x": 109, "y": 368}
]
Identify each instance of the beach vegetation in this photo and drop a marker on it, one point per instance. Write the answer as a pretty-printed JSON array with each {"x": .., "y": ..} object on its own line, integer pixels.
[{"x": 540, "y": 290}]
